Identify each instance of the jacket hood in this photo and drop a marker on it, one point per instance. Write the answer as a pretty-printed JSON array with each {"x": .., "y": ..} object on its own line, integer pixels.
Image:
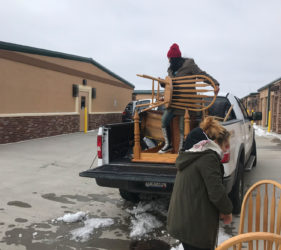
[
  {"x": 203, "y": 147},
  {"x": 196, "y": 135}
]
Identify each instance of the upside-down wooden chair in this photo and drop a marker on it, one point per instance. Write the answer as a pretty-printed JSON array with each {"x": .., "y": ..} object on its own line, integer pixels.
[
  {"x": 263, "y": 240},
  {"x": 188, "y": 93},
  {"x": 261, "y": 208}
]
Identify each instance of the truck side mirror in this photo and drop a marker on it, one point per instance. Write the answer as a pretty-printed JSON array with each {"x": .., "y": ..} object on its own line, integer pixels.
[{"x": 257, "y": 116}]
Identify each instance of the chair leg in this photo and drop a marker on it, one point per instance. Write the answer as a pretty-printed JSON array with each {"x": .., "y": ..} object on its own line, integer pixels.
[
  {"x": 137, "y": 147},
  {"x": 186, "y": 123}
]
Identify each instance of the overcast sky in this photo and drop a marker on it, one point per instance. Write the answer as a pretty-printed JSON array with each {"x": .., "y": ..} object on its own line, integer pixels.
[{"x": 238, "y": 42}]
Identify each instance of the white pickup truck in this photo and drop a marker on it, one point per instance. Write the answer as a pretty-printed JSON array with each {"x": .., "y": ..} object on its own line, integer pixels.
[{"x": 115, "y": 168}]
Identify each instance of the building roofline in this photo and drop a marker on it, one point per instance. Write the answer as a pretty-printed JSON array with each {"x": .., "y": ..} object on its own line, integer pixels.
[
  {"x": 251, "y": 94},
  {"x": 269, "y": 84},
  {"x": 146, "y": 91},
  {"x": 44, "y": 52}
]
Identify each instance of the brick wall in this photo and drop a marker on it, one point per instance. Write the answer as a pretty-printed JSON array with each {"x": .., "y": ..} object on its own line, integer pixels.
[
  {"x": 96, "y": 120},
  {"x": 13, "y": 129}
]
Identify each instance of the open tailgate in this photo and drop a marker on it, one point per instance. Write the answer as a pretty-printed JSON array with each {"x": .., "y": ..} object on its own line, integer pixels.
[{"x": 139, "y": 173}]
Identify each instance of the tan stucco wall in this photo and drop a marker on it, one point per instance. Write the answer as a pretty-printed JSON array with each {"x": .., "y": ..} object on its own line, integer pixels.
[
  {"x": 83, "y": 66},
  {"x": 263, "y": 105},
  {"x": 29, "y": 89},
  {"x": 143, "y": 96}
]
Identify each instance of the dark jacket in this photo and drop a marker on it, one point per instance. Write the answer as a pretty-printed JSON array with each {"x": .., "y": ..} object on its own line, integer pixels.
[
  {"x": 197, "y": 199},
  {"x": 189, "y": 67}
]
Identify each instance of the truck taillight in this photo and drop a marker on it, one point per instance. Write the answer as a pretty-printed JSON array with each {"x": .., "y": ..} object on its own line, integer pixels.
[
  {"x": 226, "y": 157},
  {"x": 99, "y": 146}
]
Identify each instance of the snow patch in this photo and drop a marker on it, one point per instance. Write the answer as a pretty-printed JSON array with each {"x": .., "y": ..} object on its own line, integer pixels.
[
  {"x": 83, "y": 233},
  {"x": 157, "y": 205},
  {"x": 143, "y": 224},
  {"x": 179, "y": 247},
  {"x": 222, "y": 236},
  {"x": 261, "y": 131},
  {"x": 71, "y": 218}
]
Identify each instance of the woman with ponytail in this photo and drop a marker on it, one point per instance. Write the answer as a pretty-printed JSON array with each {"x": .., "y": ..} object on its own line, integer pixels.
[{"x": 199, "y": 197}]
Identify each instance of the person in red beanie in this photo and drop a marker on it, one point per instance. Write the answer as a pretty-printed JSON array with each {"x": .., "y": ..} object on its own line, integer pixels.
[{"x": 179, "y": 66}]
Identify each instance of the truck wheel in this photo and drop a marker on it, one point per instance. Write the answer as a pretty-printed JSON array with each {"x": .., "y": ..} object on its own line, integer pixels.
[
  {"x": 254, "y": 152},
  {"x": 237, "y": 193},
  {"x": 129, "y": 196}
]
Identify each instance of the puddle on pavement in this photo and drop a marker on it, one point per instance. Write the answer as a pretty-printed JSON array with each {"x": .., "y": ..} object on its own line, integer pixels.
[
  {"x": 54, "y": 197},
  {"x": 69, "y": 199},
  {"x": 19, "y": 204},
  {"x": 34, "y": 238},
  {"x": 21, "y": 220},
  {"x": 104, "y": 198},
  {"x": 149, "y": 244},
  {"x": 42, "y": 225},
  {"x": 57, "y": 234}
]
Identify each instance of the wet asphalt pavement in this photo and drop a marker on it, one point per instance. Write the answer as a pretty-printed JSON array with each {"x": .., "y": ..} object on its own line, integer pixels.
[{"x": 40, "y": 182}]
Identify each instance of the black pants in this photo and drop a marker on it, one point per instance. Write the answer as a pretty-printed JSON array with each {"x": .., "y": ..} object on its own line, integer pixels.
[{"x": 188, "y": 247}]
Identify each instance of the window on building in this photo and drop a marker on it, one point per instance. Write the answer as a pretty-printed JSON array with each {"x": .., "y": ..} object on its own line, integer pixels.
[{"x": 83, "y": 102}]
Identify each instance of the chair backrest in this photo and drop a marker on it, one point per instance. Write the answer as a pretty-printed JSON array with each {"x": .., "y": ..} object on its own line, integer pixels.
[
  {"x": 194, "y": 92},
  {"x": 189, "y": 92},
  {"x": 262, "y": 207},
  {"x": 264, "y": 241}
]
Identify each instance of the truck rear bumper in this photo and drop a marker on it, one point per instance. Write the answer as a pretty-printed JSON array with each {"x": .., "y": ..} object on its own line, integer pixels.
[{"x": 143, "y": 179}]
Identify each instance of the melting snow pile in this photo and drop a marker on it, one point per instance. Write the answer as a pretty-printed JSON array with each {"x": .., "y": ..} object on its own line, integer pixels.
[
  {"x": 179, "y": 247},
  {"x": 70, "y": 218},
  {"x": 222, "y": 236},
  {"x": 83, "y": 233},
  {"x": 152, "y": 206},
  {"x": 260, "y": 131},
  {"x": 144, "y": 222}
]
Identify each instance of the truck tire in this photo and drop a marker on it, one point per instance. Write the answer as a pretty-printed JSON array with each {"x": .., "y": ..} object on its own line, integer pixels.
[
  {"x": 254, "y": 152},
  {"x": 129, "y": 196},
  {"x": 237, "y": 193}
]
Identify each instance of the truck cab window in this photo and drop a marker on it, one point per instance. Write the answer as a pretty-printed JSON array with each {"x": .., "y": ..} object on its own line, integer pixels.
[
  {"x": 220, "y": 108},
  {"x": 243, "y": 109}
]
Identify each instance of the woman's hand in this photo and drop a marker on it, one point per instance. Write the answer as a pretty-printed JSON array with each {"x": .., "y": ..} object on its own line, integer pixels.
[
  {"x": 227, "y": 218},
  {"x": 217, "y": 89}
]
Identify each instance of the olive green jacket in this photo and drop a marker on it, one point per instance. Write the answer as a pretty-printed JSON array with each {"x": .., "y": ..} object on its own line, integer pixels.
[
  {"x": 188, "y": 68},
  {"x": 197, "y": 199}
]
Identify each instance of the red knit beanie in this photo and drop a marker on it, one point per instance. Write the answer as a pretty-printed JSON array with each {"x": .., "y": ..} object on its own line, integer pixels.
[{"x": 174, "y": 51}]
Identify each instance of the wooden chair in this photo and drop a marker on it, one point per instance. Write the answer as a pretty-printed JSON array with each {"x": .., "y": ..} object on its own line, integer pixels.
[
  {"x": 264, "y": 241},
  {"x": 255, "y": 207},
  {"x": 188, "y": 93}
]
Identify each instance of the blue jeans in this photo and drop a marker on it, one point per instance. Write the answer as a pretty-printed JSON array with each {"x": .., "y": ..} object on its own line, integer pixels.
[{"x": 167, "y": 117}]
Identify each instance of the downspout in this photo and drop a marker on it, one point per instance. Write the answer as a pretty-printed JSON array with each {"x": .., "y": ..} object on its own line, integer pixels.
[{"x": 268, "y": 105}]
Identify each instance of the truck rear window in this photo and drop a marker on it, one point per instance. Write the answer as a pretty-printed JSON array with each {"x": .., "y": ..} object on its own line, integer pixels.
[{"x": 220, "y": 108}]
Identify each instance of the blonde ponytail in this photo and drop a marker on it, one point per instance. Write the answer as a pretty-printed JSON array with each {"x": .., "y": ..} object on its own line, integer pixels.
[{"x": 214, "y": 130}]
